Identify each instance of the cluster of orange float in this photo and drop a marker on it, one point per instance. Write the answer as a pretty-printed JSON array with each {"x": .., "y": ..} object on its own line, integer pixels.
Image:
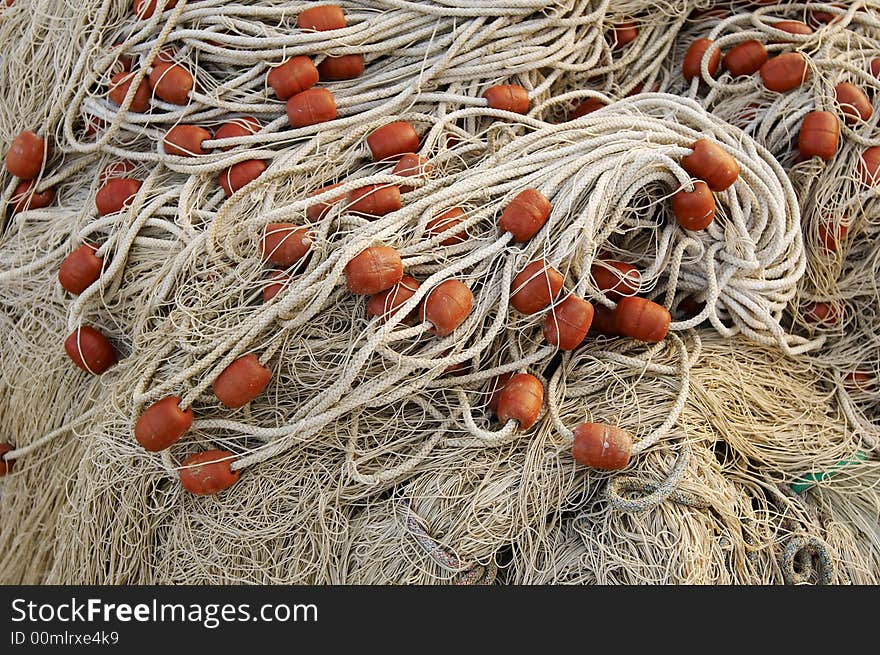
[
  {"x": 819, "y": 133},
  {"x": 378, "y": 270}
]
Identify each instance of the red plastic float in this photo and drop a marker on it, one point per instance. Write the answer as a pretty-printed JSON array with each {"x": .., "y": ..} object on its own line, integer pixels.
[
  {"x": 393, "y": 140},
  {"x": 346, "y": 67},
  {"x": 616, "y": 279},
  {"x": 822, "y": 312},
  {"x": 745, "y": 58},
  {"x": 793, "y": 27},
  {"x": 80, "y": 269},
  {"x": 831, "y": 234},
  {"x": 387, "y": 302},
  {"x": 244, "y": 126},
  {"x": 712, "y": 164},
  {"x": 123, "y": 63},
  {"x": 624, "y": 34},
  {"x": 826, "y": 17},
  {"x": 208, "y": 473},
  {"x": 447, "y": 222},
  {"x": 604, "y": 321},
  {"x": 375, "y": 269},
  {"x": 567, "y": 324},
  {"x": 317, "y": 211},
  {"x": 694, "y": 55},
  {"x": 858, "y": 381},
  {"x": 642, "y": 319},
  {"x": 242, "y": 381},
  {"x": 162, "y": 424},
  {"x": 689, "y": 306},
  {"x": 293, "y": 76},
  {"x": 853, "y": 102},
  {"x": 171, "y": 82},
  {"x": 411, "y": 165},
  {"x": 90, "y": 350},
  {"x": 311, "y": 107},
  {"x": 284, "y": 244},
  {"x": 536, "y": 286},
  {"x": 26, "y": 155},
  {"x": 785, "y": 72},
  {"x": 495, "y": 388},
  {"x": 277, "y": 281},
  {"x": 322, "y": 19},
  {"x": 525, "y": 215},
  {"x": 24, "y": 197},
  {"x": 241, "y": 174},
  {"x": 588, "y": 106},
  {"x": 119, "y": 85},
  {"x": 819, "y": 135},
  {"x": 186, "y": 140},
  {"x": 6, "y": 464},
  {"x": 447, "y": 306},
  {"x": 374, "y": 200},
  {"x": 869, "y": 166},
  {"x": 116, "y": 194},
  {"x": 694, "y": 210},
  {"x": 521, "y": 399},
  {"x": 508, "y": 97},
  {"x": 601, "y": 446},
  {"x": 145, "y": 8}
]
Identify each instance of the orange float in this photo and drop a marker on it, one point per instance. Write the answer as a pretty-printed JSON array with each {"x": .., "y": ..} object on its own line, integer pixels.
[
  {"x": 745, "y": 58},
  {"x": 284, "y": 244},
  {"x": 536, "y": 286},
  {"x": 162, "y": 424},
  {"x": 525, "y": 215},
  {"x": 293, "y": 76},
  {"x": 521, "y": 400},
  {"x": 26, "y": 155},
  {"x": 80, "y": 269},
  {"x": 237, "y": 127},
  {"x": 711, "y": 163},
  {"x": 508, "y": 97},
  {"x": 311, "y": 107},
  {"x": 186, "y": 140},
  {"x": 393, "y": 140},
  {"x": 322, "y": 19},
  {"x": 387, "y": 302},
  {"x": 24, "y": 197},
  {"x": 90, "y": 350},
  {"x": 694, "y": 210},
  {"x": 616, "y": 279},
  {"x": 119, "y": 85},
  {"x": 241, "y": 174},
  {"x": 601, "y": 446},
  {"x": 171, "y": 82},
  {"x": 208, "y": 473},
  {"x": 785, "y": 72},
  {"x": 447, "y": 222},
  {"x": 346, "y": 67},
  {"x": 567, "y": 324},
  {"x": 242, "y": 381},
  {"x": 447, "y": 306},
  {"x": 694, "y": 55},
  {"x": 375, "y": 269},
  {"x": 116, "y": 194},
  {"x": 642, "y": 319}
]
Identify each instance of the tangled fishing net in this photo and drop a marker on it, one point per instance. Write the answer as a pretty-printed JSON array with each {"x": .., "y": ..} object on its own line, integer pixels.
[{"x": 440, "y": 292}]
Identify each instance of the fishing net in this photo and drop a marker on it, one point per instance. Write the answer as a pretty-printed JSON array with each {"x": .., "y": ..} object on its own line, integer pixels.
[{"x": 376, "y": 449}]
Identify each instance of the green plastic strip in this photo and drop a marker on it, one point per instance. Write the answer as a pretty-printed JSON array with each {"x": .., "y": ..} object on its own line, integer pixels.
[{"x": 810, "y": 480}]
